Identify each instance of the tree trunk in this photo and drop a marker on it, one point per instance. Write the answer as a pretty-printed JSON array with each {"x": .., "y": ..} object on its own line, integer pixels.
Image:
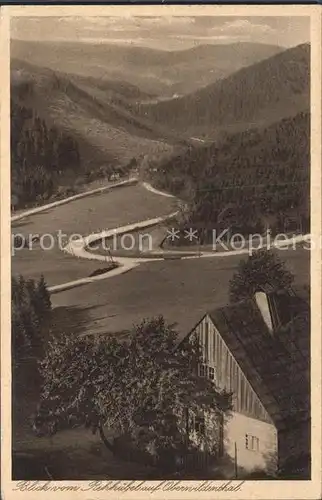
[{"x": 108, "y": 445}]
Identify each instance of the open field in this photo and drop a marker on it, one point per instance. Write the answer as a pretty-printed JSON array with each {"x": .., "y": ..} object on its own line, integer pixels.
[
  {"x": 106, "y": 210},
  {"x": 181, "y": 290}
]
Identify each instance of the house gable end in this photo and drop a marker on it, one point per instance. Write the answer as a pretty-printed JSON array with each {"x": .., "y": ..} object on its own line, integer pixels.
[{"x": 229, "y": 375}]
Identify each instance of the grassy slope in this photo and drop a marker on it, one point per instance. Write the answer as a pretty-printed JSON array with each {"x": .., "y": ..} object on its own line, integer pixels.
[
  {"x": 156, "y": 71},
  {"x": 91, "y": 214},
  {"x": 259, "y": 94},
  {"x": 97, "y": 117},
  {"x": 180, "y": 290}
]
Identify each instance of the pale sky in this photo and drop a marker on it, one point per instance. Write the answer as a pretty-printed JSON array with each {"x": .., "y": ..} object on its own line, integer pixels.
[{"x": 165, "y": 32}]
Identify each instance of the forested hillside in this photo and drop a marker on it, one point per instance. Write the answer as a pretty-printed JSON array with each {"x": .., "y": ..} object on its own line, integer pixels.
[
  {"x": 39, "y": 155},
  {"x": 68, "y": 130},
  {"x": 97, "y": 116},
  {"x": 257, "y": 95},
  {"x": 257, "y": 173}
]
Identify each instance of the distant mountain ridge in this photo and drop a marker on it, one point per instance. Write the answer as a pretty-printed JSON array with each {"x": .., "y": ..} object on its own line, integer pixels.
[
  {"x": 154, "y": 71},
  {"x": 262, "y": 93}
]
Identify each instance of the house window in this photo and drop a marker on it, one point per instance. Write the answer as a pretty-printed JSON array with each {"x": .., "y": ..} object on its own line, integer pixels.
[
  {"x": 200, "y": 425},
  {"x": 251, "y": 442},
  {"x": 211, "y": 373},
  {"x": 207, "y": 371}
]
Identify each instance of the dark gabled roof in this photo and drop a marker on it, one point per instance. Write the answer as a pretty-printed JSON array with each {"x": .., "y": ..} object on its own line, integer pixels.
[{"x": 275, "y": 364}]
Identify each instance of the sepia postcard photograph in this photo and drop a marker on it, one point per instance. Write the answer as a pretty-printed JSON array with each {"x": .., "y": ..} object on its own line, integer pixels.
[{"x": 161, "y": 251}]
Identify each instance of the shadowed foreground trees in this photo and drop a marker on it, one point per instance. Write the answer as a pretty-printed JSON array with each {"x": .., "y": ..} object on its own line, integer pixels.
[
  {"x": 262, "y": 269},
  {"x": 138, "y": 391},
  {"x": 30, "y": 308}
]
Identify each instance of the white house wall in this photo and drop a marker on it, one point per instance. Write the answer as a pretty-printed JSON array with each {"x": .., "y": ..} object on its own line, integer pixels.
[{"x": 235, "y": 431}]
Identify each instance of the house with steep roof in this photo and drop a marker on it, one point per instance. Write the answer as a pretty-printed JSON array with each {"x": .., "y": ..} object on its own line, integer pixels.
[{"x": 258, "y": 350}]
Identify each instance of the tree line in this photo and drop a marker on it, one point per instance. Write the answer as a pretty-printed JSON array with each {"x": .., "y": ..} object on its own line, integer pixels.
[{"x": 39, "y": 155}]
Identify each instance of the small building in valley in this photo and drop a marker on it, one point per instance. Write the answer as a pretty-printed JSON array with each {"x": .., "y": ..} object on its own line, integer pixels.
[
  {"x": 115, "y": 176},
  {"x": 258, "y": 350}
]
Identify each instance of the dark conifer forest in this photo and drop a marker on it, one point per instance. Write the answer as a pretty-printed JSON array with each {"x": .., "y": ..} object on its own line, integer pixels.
[
  {"x": 257, "y": 173},
  {"x": 30, "y": 309},
  {"x": 39, "y": 155}
]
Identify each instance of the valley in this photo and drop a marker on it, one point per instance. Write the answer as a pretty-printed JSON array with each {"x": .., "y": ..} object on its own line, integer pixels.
[{"x": 254, "y": 96}]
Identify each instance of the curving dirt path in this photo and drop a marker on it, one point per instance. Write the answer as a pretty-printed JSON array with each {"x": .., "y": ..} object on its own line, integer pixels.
[
  {"x": 156, "y": 191},
  {"x": 78, "y": 196},
  {"x": 79, "y": 248}
]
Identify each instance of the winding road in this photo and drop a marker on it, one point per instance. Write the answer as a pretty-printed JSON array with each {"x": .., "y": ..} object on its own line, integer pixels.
[{"x": 80, "y": 248}]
